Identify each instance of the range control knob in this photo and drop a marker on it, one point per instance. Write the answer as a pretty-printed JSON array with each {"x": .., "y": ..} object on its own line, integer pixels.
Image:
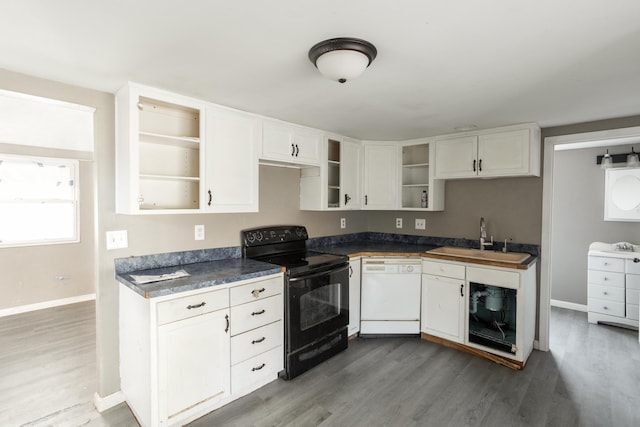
[
  {"x": 409, "y": 268},
  {"x": 259, "y": 236}
]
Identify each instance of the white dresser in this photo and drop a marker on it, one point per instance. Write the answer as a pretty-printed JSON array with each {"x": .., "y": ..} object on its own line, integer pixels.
[{"x": 614, "y": 284}]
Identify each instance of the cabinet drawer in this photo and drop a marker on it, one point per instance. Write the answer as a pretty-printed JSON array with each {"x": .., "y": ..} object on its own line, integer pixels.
[
  {"x": 193, "y": 305},
  {"x": 606, "y": 278},
  {"x": 632, "y": 267},
  {"x": 255, "y": 314},
  {"x": 633, "y": 312},
  {"x": 256, "y": 290},
  {"x": 606, "y": 264},
  {"x": 249, "y": 344},
  {"x": 609, "y": 293},
  {"x": 454, "y": 271},
  {"x": 611, "y": 308},
  {"x": 257, "y": 370}
]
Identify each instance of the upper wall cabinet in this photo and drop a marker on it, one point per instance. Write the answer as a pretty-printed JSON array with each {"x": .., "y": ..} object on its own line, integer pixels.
[
  {"x": 336, "y": 183},
  {"x": 380, "y": 182},
  {"x": 419, "y": 190},
  {"x": 231, "y": 166},
  {"x": 286, "y": 143},
  {"x": 159, "y": 151},
  {"x": 501, "y": 152}
]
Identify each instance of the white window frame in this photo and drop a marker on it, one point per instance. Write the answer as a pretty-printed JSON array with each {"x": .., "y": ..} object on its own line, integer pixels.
[{"x": 74, "y": 165}]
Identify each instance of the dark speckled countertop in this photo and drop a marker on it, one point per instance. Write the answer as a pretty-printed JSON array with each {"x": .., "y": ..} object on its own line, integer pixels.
[
  {"x": 201, "y": 275},
  {"x": 371, "y": 248}
]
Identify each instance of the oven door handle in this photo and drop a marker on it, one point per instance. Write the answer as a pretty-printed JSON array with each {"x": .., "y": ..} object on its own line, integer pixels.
[{"x": 324, "y": 272}]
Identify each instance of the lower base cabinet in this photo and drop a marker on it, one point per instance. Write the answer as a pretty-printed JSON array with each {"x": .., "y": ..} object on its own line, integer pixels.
[
  {"x": 443, "y": 301},
  {"x": 184, "y": 355},
  {"x": 354, "y": 296}
]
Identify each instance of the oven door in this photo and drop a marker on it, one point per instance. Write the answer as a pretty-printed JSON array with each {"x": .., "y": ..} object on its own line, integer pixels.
[{"x": 318, "y": 305}]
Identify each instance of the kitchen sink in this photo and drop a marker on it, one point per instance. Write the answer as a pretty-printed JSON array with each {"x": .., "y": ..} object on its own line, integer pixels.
[{"x": 510, "y": 257}]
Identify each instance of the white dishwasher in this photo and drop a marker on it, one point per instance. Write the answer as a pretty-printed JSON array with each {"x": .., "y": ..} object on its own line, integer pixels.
[{"x": 390, "y": 295}]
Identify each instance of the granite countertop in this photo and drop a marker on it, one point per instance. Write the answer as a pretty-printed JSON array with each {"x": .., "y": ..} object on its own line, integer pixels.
[
  {"x": 373, "y": 248},
  {"x": 201, "y": 275}
]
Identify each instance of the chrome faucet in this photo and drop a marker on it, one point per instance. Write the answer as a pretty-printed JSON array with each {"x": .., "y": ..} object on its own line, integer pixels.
[{"x": 483, "y": 235}]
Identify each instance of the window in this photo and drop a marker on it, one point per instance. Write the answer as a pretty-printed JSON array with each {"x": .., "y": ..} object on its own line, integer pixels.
[{"x": 38, "y": 200}]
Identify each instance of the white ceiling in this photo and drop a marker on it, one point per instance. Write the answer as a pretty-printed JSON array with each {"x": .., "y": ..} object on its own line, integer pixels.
[{"x": 441, "y": 65}]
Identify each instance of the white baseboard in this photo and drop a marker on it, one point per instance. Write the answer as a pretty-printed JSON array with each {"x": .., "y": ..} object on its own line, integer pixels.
[
  {"x": 107, "y": 402},
  {"x": 46, "y": 304},
  {"x": 569, "y": 305}
]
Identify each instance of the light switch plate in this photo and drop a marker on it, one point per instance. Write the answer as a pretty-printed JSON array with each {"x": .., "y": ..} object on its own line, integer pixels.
[
  {"x": 117, "y": 239},
  {"x": 398, "y": 222},
  {"x": 198, "y": 232},
  {"x": 421, "y": 224}
]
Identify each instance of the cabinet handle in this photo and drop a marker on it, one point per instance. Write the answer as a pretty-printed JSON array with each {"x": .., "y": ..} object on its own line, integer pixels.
[
  {"x": 461, "y": 288},
  {"x": 226, "y": 317},
  {"x": 210, "y": 198},
  {"x": 350, "y": 271},
  {"x": 257, "y": 368},
  {"x": 293, "y": 150},
  {"x": 257, "y": 313},
  {"x": 256, "y": 292},
  {"x": 474, "y": 165},
  {"x": 366, "y": 200},
  {"x": 297, "y": 150},
  {"x": 202, "y": 304},
  {"x": 346, "y": 199},
  {"x": 258, "y": 340},
  {"x": 480, "y": 165}
]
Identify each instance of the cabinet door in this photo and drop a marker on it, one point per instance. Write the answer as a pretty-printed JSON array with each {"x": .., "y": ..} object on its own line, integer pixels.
[
  {"x": 350, "y": 173},
  {"x": 231, "y": 162},
  {"x": 354, "y": 296},
  {"x": 443, "y": 307},
  {"x": 380, "y": 176},
  {"x": 457, "y": 157},
  {"x": 504, "y": 153},
  {"x": 193, "y": 361},
  {"x": 290, "y": 144}
]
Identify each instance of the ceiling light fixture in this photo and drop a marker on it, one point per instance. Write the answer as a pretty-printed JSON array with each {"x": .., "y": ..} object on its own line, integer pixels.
[
  {"x": 607, "y": 161},
  {"x": 632, "y": 159},
  {"x": 342, "y": 58}
]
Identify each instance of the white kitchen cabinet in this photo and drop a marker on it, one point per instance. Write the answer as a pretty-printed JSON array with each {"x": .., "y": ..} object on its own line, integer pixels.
[
  {"x": 417, "y": 177},
  {"x": 159, "y": 151},
  {"x": 231, "y": 167},
  {"x": 380, "y": 182},
  {"x": 336, "y": 183},
  {"x": 502, "y": 152},
  {"x": 354, "y": 296},
  {"x": 178, "y": 358},
  {"x": 193, "y": 362},
  {"x": 443, "y": 300},
  {"x": 287, "y": 143}
]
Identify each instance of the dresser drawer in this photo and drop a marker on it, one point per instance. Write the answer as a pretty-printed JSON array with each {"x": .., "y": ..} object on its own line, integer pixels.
[
  {"x": 633, "y": 296},
  {"x": 257, "y": 370},
  {"x": 249, "y": 344},
  {"x": 609, "y": 293},
  {"x": 606, "y": 278},
  {"x": 192, "y": 305},
  {"x": 612, "y": 308},
  {"x": 256, "y": 290},
  {"x": 252, "y": 315},
  {"x": 632, "y": 267},
  {"x": 633, "y": 312},
  {"x": 455, "y": 271},
  {"x": 606, "y": 264},
  {"x": 633, "y": 281}
]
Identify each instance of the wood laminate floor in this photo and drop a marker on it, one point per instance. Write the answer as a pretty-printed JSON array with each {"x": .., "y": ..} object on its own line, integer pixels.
[{"x": 591, "y": 377}]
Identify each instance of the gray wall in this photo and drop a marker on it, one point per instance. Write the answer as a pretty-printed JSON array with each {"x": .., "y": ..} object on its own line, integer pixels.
[{"x": 577, "y": 220}]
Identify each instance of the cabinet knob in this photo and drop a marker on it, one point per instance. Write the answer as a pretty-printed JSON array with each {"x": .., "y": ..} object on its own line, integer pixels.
[
  {"x": 605, "y": 307},
  {"x": 605, "y": 293},
  {"x": 346, "y": 199},
  {"x": 636, "y": 260}
]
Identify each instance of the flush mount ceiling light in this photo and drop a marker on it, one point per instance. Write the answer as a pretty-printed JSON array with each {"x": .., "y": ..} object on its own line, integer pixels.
[{"x": 342, "y": 58}]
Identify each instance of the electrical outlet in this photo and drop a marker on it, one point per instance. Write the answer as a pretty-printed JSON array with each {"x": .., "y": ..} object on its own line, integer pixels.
[
  {"x": 421, "y": 224},
  {"x": 117, "y": 239},
  {"x": 198, "y": 232},
  {"x": 343, "y": 223},
  {"x": 398, "y": 222}
]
